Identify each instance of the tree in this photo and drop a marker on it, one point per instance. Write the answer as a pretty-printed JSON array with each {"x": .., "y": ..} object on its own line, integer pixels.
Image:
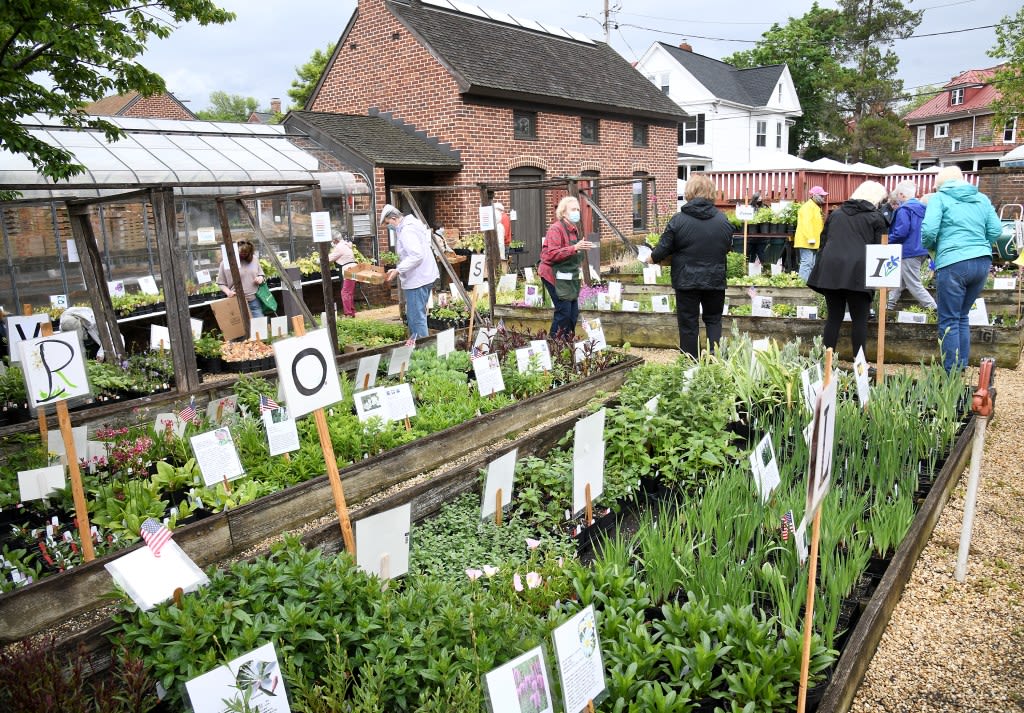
[
  {"x": 1009, "y": 78},
  {"x": 58, "y": 55},
  {"x": 309, "y": 75},
  {"x": 912, "y": 101},
  {"x": 228, "y": 107}
]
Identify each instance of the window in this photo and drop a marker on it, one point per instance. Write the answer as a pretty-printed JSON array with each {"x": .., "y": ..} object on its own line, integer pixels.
[
  {"x": 691, "y": 131},
  {"x": 922, "y": 135},
  {"x": 639, "y": 202},
  {"x": 762, "y": 134},
  {"x": 588, "y": 130},
  {"x": 956, "y": 96},
  {"x": 1010, "y": 132},
  {"x": 778, "y": 134},
  {"x": 954, "y": 145},
  {"x": 525, "y": 124},
  {"x": 780, "y": 93},
  {"x": 640, "y": 135},
  {"x": 941, "y": 131},
  {"x": 664, "y": 84}
]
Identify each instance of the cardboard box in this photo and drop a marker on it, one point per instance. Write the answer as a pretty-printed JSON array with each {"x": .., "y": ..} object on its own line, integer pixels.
[
  {"x": 229, "y": 319},
  {"x": 372, "y": 274}
]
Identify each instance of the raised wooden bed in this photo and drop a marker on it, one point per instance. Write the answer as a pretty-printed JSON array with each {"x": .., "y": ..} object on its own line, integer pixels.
[
  {"x": 30, "y": 609},
  {"x": 904, "y": 343}
]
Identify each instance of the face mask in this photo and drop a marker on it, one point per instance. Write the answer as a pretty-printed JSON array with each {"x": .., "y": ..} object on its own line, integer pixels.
[{"x": 574, "y": 216}]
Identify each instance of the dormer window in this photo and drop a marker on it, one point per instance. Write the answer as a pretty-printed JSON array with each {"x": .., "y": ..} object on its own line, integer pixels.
[{"x": 956, "y": 96}]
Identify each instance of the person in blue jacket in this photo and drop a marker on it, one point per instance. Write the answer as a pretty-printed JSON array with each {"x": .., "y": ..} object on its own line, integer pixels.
[
  {"x": 960, "y": 226},
  {"x": 906, "y": 231}
]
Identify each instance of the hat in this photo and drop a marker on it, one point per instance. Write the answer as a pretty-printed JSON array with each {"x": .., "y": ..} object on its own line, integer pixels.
[
  {"x": 386, "y": 211},
  {"x": 817, "y": 191},
  {"x": 499, "y": 206}
]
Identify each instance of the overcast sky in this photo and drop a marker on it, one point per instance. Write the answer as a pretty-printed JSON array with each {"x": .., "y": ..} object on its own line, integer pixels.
[{"x": 256, "y": 55}]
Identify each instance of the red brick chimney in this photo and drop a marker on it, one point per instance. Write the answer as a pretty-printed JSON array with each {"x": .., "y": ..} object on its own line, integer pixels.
[
  {"x": 686, "y": 46},
  {"x": 275, "y": 105}
]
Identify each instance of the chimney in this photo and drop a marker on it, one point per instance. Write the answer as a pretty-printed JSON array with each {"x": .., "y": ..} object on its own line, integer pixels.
[
  {"x": 275, "y": 105},
  {"x": 685, "y": 46}
]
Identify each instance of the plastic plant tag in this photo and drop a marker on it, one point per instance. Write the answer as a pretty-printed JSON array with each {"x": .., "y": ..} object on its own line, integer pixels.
[
  {"x": 578, "y": 660},
  {"x": 382, "y": 542},
  {"x": 366, "y": 374},
  {"x": 500, "y": 475},
  {"x": 765, "y": 467},
  {"x": 588, "y": 459}
]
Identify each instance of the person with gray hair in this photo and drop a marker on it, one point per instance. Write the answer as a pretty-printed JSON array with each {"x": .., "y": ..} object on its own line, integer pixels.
[
  {"x": 416, "y": 270},
  {"x": 906, "y": 231}
]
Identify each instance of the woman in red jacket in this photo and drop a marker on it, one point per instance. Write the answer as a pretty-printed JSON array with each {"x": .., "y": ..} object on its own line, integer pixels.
[{"x": 560, "y": 261}]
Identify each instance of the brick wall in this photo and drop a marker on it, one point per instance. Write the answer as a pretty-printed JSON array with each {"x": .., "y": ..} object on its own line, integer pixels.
[
  {"x": 160, "y": 106},
  {"x": 1002, "y": 185},
  {"x": 382, "y": 65}
]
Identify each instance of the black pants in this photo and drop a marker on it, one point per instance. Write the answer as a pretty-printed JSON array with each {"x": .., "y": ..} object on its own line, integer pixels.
[
  {"x": 564, "y": 315},
  {"x": 859, "y": 304},
  {"x": 689, "y": 304}
]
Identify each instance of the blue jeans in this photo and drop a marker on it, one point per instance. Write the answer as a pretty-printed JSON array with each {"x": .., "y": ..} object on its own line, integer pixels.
[
  {"x": 956, "y": 288},
  {"x": 807, "y": 258},
  {"x": 416, "y": 310},
  {"x": 255, "y": 307},
  {"x": 566, "y": 313}
]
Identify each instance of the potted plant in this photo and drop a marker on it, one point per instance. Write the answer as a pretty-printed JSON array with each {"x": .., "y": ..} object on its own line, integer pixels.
[
  {"x": 388, "y": 259},
  {"x": 208, "y": 353},
  {"x": 516, "y": 246},
  {"x": 762, "y": 220}
]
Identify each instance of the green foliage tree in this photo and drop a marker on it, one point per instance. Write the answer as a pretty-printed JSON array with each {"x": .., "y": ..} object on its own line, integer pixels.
[
  {"x": 228, "y": 107},
  {"x": 58, "y": 55},
  {"x": 918, "y": 98},
  {"x": 309, "y": 74},
  {"x": 1009, "y": 78}
]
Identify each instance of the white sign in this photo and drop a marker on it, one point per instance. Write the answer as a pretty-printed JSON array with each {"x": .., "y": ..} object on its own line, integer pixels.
[
  {"x": 388, "y": 403},
  {"x": 807, "y": 312},
  {"x": 252, "y": 682},
  {"x": 21, "y": 328},
  {"x": 753, "y": 269},
  {"x": 398, "y": 362},
  {"x": 860, "y": 373},
  {"x": 882, "y": 265},
  {"x": 819, "y": 466},
  {"x": 528, "y": 274},
  {"x": 203, "y": 277},
  {"x": 159, "y": 337},
  {"x": 775, "y": 268},
  {"x": 604, "y": 301},
  {"x": 482, "y": 341},
  {"x": 615, "y": 292},
  {"x": 54, "y": 368},
  {"x": 500, "y": 475},
  {"x": 532, "y": 295},
  {"x": 366, "y": 374},
  {"x": 650, "y": 275},
  {"x": 149, "y": 580},
  {"x": 306, "y": 372},
  {"x": 217, "y": 409},
  {"x": 745, "y": 212},
  {"x": 507, "y": 283},
  {"x": 321, "y": 223},
  {"x": 40, "y": 482},
  {"x": 445, "y": 343},
  {"x": 761, "y": 306},
  {"x": 168, "y": 421},
  {"x": 630, "y": 306},
  {"x": 216, "y": 455},
  {"x": 282, "y": 434},
  {"x": 1004, "y": 283},
  {"x": 659, "y": 303},
  {"x": 488, "y": 374},
  {"x": 765, "y": 467},
  {"x": 116, "y": 288},
  {"x": 540, "y": 348},
  {"x": 259, "y": 329},
  {"x": 72, "y": 251},
  {"x": 197, "y": 327},
  {"x": 206, "y": 235},
  {"x": 382, "y": 542},
  {"x": 810, "y": 383},
  {"x": 521, "y": 685},
  {"x": 595, "y": 333},
  {"x": 79, "y": 438},
  {"x": 578, "y": 658},
  {"x": 147, "y": 284},
  {"x": 477, "y": 269},
  {"x": 911, "y": 317},
  {"x": 486, "y": 218},
  {"x": 278, "y": 327},
  {"x": 59, "y": 301},
  {"x": 978, "y": 314},
  {"x": 588, "y": 460}
]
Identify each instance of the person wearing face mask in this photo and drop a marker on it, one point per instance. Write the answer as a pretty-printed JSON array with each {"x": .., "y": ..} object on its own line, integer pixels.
[
  {"x": 249, "y": 272},
  {"x": 560, "y": 260},
  {"x": 809, "y": 223}
]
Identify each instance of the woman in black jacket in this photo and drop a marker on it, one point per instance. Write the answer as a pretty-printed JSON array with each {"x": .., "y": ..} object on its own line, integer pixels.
[
  {"x": 698, "y": 238},
  {"x": 838, "y": 273}
]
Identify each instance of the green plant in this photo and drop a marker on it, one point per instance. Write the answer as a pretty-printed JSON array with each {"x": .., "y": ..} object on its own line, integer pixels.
[
  {"x": 209, "y": 345},
  {"x": 762, "y": 215},
  {"x": 474, "y": 242}
]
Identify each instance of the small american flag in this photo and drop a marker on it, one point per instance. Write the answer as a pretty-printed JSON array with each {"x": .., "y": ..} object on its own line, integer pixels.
[
  {"x": 267, "y": 403},
  {"x": 188, "y": 413},
  {"x": 752, "y": 291},
  {"x": 787, "y": 525},
  {"x": 155, "y": 534}
]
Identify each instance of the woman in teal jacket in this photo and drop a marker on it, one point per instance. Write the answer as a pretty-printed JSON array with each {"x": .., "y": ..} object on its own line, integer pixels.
[{"x": 960, "y": 227}]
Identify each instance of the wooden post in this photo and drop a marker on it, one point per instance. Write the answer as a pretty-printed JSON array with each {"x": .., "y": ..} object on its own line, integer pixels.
[
  {"x": 883, "y": 297},
  {"x": 325, "y": 279},
  {"x": 745, "y": 224},
  {"x": 332, "y": 463},
  {"x": 236, "y": 278},
  {"x": 812, "y": 572},
  {"x": 385, "y": 566},
  {"x": 497, "y": 508},
  {"x": 590, "y": 506}
]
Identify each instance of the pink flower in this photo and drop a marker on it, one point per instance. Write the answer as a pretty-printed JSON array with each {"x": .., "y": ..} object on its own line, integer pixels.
[
  {"x": 532, "y": 544},
  {"x": 533, "y": 580},
  {"x": 517, "y": 583},
  {"x": 474, "y": 573}
]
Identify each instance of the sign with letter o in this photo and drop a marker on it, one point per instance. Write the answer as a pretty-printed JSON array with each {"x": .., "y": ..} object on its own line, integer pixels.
[{"x": 306, "y": 372}]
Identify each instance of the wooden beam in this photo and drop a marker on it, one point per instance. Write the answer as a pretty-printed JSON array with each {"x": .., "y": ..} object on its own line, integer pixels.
[
  {"x": 325, "y": 278},
  {"x": 96, "y": 285},
  {"x": 236, "y": 278},
  {"x": 491, "y": 243}
]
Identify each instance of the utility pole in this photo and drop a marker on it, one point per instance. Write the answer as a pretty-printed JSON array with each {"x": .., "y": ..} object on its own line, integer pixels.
[{"x": 607, "y": 24}]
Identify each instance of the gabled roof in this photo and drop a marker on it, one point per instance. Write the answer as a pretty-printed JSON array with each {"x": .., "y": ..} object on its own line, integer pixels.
[
  {"x": 499, "y": 59},
  {"x": 750, "y": 87},
  {"x": 380, "y": 142},
  {"x": 972, "y": 76},
  {"x": 120, "y": 104},
  {"x": 938, "y": 106}
]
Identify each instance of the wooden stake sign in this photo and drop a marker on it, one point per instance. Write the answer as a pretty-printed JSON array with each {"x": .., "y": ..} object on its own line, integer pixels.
[
  {"x": 300, "y": 354},
  {"x": 54, "y": 367},
  {"x": 883, "y": 265},
  {"x": 497, "y": 507},
  {"x": 498, "y": 486}
]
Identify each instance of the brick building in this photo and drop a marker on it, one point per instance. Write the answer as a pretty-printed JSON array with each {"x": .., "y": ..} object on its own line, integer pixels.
[
  {"x": 133, "y": 104},
  {"x": 956, "y": 126},
  {"x": 500, "y": 100}
]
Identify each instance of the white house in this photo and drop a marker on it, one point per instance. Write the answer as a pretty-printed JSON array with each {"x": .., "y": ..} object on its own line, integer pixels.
[{"x": 738, "y": 117}]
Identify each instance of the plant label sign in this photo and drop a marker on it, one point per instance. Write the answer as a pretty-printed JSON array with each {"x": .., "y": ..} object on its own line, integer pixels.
[
  {"x": 59, "y": 301},
  {"x": 259, "y": 329},
  {"x": 906, "y": 317},
  {"x": 615, "y": 292},
  {"x": 171, "y": 422},
  {"x": 159, "y": 338},
  {"x": 366, "y": 374},
  {"x": 205, "y": 236},
  {"x": 20, "y": 329},
  {"x": 978, "y": 314},
  {"x": 482, "y": 341},
  {"x": 197, "y": 327},
  {"x": 116, "y": 288},
  {"x": 807, "y": 312},
  {"x": 445, "y": 343},
  {"x": 761, "y": 306},
  {"x": 500, "y": 475},
  {"x": 882, "y": 265},
  {"x": 216, "y": 455},
  {"x": 604, "y": 301},
  {"x": 217, "y": 409},
  {"x": 860, "y": 372},
  {"x": 659, "y": 303},
  {"x": 54, "y": 368},
  {"x": 149, "y": 580},
  {"x": 588, "y": 460},
  {"x": 279, "y": 327},
  {"x": 306, "y": 371},
  {"x": 203, "y": 277},
  {"x": 388, "y": 403},
  {"x": 765, "y": 467},
  {"x": 320, "y": 221},
  {"x": 55, "y": 441},
  {"x": 650, "y": 274},
  {"x": 476, "y": 269},
  {"x": 532, "y": 295},
  {"x": 595, "y": 333},
  {"x": 540, "y": 348},
  {"x": 251, "y": 682},
  {"x": 630, "y": 306},
  {"x": 147, "y": 285},
  {"x": 753, "y": 269},
  {"x": 578, "y": 659},
  {"x": 528, "y": 274},
  {"x": 775, "y": 268},
  {"x": 507, "y": 283},
  {"x": 529, "y": 359},
  {"x": 40, "y": 482},
  {"x": 819, "y": 466},
  {"x": 745, "y": 212},
  {"x": 1004, "y": 283},
  {"x": 382, "y": 542},
  {"x": 810, "y": 383},
  {"x": 488, "y": 374},
  {"x": 398, "y": 362},
  {"x": 521, "y": 685},
  {"x": 282, "y": 434},
  {"x": 652, "y": 406}
]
